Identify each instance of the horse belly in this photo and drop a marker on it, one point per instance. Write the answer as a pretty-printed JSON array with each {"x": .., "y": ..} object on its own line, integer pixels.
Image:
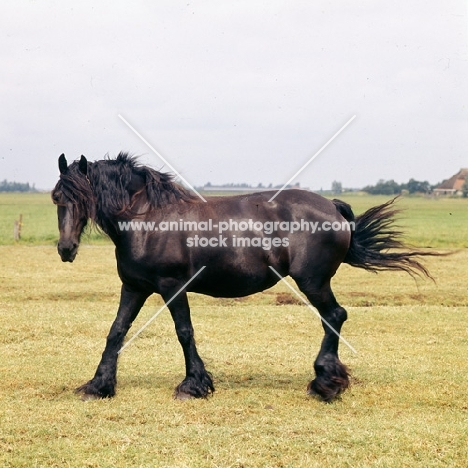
[
  {"x": 239, "y": 272},
  {"x": 234, "y": 284}
]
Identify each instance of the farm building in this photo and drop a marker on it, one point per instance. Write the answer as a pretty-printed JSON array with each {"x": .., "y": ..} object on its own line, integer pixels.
[{"x": 453, "y": 186}]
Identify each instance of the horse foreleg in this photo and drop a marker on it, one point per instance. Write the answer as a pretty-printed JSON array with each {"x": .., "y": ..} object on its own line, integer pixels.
[
  {"x": 197, "y": 382},
  {"x": 103, "y": 383}
]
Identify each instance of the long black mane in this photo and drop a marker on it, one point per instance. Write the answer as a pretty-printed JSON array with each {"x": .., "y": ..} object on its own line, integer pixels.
[{"x": 116, "y": 186}]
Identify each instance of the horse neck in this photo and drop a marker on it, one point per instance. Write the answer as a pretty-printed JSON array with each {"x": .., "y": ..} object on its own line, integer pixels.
[{"x": 110, "y": 211}]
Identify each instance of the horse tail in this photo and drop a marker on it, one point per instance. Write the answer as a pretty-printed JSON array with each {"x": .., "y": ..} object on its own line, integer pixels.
[{"x": 373, "y": 233}]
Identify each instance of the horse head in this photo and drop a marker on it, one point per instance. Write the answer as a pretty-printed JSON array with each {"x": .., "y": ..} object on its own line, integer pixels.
[{"x": 73, "y": 196}]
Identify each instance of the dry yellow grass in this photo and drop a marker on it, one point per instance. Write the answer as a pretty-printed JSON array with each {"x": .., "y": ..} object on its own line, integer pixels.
[{"x": 407, "y": 406}]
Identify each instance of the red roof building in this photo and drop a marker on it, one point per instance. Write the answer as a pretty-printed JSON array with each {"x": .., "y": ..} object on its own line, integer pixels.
[{"x": 453, "y": 186}]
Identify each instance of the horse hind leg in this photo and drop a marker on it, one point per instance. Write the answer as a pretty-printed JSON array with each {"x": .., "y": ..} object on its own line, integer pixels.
[{"x": 332, "y": 376}]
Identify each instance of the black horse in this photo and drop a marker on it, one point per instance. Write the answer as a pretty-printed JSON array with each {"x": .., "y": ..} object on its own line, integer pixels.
[{"x": 251, "y": 241}]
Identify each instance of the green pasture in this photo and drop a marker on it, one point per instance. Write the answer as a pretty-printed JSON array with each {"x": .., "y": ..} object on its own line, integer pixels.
[
  {"x": 427, "y": 222},
  {"x": 407, "y": 406}
]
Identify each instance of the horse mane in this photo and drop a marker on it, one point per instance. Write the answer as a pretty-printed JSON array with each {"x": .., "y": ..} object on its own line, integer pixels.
[
  {"x": 112, "y": 178},
  {"x": 107, "y": 191}
]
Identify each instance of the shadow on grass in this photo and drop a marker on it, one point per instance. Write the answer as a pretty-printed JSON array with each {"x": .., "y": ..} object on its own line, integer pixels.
[{"x": 222, "y": 381}]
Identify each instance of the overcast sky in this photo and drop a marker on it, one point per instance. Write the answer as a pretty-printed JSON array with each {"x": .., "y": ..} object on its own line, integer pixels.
[{"x": 238, "y": 91}]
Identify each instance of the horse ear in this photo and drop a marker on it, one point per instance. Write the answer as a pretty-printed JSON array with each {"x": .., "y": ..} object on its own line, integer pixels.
[
  {"x": 63, "y": 166},
  {"x": 83, "y": 165}
]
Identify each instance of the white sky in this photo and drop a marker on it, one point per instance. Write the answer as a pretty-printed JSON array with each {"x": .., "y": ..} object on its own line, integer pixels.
[{"x": 238, "y": 91}]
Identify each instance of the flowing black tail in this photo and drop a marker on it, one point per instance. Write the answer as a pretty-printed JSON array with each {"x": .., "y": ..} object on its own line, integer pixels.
[{"x": 373, "y": 235}]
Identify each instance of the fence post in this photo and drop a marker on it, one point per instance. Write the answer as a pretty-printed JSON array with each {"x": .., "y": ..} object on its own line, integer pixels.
[{"x": 17, "y": 228}]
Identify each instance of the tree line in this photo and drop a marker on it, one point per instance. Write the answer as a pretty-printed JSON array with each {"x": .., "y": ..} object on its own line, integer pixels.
[
  {"x": 390, "y": 187},
  {"x": 6, "y": 186}
]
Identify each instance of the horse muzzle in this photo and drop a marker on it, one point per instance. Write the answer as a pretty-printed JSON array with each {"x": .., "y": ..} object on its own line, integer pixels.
[{"x": 67, "y": 251}]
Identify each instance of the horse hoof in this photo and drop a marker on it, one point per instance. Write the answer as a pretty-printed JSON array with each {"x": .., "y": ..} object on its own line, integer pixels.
[
  {"x": 325, "y": 394},
  {"x": 182, "y": 396}
]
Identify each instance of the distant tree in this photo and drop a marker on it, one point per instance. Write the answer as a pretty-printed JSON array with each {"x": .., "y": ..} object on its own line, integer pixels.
[
  {"x": 384, "y": 187},
  {"x": 415, "y": 186},
  {"x": 336, "y": 187},
  {"x": 465, "y": 188},
  {"x": 390, "y": 187}
]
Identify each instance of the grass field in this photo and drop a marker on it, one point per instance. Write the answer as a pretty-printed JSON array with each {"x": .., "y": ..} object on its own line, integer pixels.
[
  {"x": 428, "y": 222},
  {"x": 407, "y": 405}
]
